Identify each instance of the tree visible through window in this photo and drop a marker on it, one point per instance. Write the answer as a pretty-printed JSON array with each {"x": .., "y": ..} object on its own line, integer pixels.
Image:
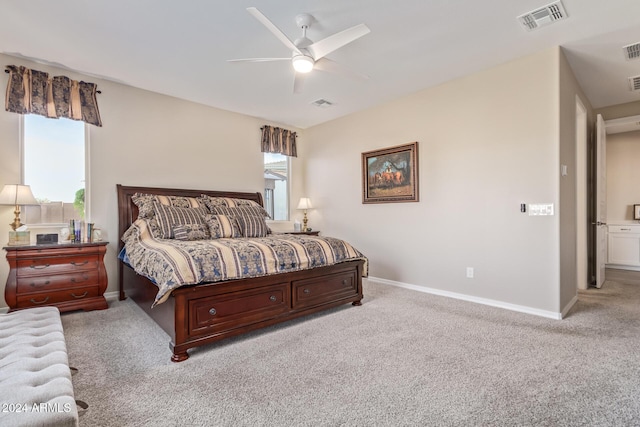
[
  {"x": 54, "y": 167},
  {"x": 276, "y": 186}
]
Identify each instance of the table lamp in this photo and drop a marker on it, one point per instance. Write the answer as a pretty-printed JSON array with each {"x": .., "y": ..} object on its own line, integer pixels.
[
  {"x": 304, "y": 204},
  {"x": 17, "y": 195}
]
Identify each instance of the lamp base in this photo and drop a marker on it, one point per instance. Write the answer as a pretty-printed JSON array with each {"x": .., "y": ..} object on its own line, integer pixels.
[
  {"x": 304, "y": 221},
  {"x": 16, "y": 221},
  {"x": 19, "y": 238}
]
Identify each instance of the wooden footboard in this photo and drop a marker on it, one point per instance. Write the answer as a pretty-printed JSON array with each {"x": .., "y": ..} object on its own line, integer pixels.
[{"x": 206, "y": 313}]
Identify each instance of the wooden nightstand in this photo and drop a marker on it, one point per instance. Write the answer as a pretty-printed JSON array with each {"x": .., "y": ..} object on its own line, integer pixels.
[{"x": 69, "y": 276}]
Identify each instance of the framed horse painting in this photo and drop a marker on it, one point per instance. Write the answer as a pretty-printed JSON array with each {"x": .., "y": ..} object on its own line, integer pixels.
[{"x": 390, "y": 175}]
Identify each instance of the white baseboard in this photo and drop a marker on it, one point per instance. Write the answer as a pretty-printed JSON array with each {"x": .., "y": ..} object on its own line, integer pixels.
[
  {"x": 569, "y": 306},
  {"x": 478, "y": 300},
  {"x": 112, "y": 296},
  {"x": 623, "y": 267}
]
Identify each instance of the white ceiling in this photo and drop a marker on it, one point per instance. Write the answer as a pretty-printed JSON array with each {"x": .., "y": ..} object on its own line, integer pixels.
[{"x": 180, "y": 48}]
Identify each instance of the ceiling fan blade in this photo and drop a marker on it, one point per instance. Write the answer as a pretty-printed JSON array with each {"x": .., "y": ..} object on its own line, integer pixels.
[
  {"x": 271, "y": 27},
  {"x": 330, "y": 66},
  {"x": 258, "y": 59},
  {"x": 298, "y": 82},
  {"x": 327, "y": 45}
]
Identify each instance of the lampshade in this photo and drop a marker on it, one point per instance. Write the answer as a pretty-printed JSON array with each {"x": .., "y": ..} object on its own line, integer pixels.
[
  {"x": 16, "y": 194},
  {"x": 304, "y": 203}
]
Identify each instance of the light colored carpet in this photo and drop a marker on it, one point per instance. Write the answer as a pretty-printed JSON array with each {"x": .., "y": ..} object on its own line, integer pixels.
[{"x": 403, "y": 358}]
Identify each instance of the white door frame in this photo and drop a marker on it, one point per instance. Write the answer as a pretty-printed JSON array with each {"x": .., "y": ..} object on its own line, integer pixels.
[
  {"x": 582, "y": 211},
  {"x": 601, "y": 200}
]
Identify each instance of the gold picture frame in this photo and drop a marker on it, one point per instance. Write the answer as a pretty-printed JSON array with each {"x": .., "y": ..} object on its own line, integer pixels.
[{"x": 390, "y": 175}]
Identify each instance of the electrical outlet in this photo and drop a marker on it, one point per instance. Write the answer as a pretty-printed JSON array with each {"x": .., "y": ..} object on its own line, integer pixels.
[{"x": 469, "y": 272}]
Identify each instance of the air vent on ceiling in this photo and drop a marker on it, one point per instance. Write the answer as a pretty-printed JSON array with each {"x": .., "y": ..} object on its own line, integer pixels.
[
  {"x": 543, "y": 16},
  {"x": 322, "y": 103},
  {"x": 634, "y": 84},
  {"x": 632, "y": 51}
]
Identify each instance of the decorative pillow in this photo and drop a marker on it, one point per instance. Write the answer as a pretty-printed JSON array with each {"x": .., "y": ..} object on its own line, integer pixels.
[
  {"x": 191, "y": 232},
  {"x": 251, "y": 219},
  {"x": 144, "y": 202},
  {"x": 228, "y": 202},
  {"x": 222, "y": 226},
  {"x": 154, "y": 228},
  {"x": 170, "y": 216}
]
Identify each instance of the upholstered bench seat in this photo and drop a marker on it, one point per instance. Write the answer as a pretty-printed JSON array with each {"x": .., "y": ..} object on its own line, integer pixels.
[{"x": 35, "y": 380}]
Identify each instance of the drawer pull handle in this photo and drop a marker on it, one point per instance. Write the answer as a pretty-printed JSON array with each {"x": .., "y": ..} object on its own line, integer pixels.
[
  {"x": 39, "y": 267},
  {"x": 80, "y": 296},
  {"x": 272, "y": 298},
  {"x": 344, "y": 281},
  {"x": 45, "y": 283},
  {"x": 306, "y": 291},
  {"x": 212, "y": 311},
  {"x": 625, "y": 229},
  {"x": 79, "y": 263},
  {"x": 33, "y": 301},
  {"x": 84, "y": 279}
]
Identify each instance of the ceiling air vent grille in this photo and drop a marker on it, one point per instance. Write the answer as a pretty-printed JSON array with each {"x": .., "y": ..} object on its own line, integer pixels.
[
  {"x": 632, "y": 51},
  {"x": 322, "y": 103},
  {"x": 634, "y": 84},
  {"x": 543, "y": 16}
]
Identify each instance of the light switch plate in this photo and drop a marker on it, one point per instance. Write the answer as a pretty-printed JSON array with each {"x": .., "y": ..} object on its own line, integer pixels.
[{"x": 540, "y": 209}]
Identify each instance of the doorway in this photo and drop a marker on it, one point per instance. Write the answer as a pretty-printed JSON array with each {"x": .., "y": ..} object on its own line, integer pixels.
[{"x": 597, "y": 194}]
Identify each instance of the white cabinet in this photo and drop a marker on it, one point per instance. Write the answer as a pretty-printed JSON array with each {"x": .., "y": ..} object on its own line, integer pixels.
[{"x": 624, "y": 245}]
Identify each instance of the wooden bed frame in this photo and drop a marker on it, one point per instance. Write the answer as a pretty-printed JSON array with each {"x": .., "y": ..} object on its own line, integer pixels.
[{"x": 201, "y": 314}]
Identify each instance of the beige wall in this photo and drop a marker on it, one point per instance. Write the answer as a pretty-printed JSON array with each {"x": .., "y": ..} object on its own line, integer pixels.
[
  {"x": 149, "y": 139},
  {"x": 619, "y": 111},
  {"x": 487, "y": 143},
  {"x": 623, "y": 176}
]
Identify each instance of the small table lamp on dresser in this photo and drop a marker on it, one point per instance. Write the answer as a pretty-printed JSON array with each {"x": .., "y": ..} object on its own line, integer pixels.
[
  {"x": 17, "y": 195},
  {"x": 304, "y": 204}
]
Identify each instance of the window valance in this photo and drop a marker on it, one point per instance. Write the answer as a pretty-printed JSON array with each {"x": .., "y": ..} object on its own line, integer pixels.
[
  {"x": 33, "y": 91},
  {"x": 278, "y": 140}
]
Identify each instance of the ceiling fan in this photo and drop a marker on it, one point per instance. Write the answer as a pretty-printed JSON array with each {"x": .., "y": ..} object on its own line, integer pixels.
[{"x": 306, "y": 54}]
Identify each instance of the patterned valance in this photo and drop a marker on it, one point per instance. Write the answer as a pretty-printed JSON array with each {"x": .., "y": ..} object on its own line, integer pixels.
[
  {"x": 33, "y": 91},
  {"x": 277, "y": 140}
]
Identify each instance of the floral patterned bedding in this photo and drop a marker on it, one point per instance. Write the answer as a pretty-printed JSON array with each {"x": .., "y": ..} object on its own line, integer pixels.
[{"x": 171, "y": 263}]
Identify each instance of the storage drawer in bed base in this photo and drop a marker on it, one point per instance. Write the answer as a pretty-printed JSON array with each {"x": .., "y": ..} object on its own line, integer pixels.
[{"x": 202, "y": 314}]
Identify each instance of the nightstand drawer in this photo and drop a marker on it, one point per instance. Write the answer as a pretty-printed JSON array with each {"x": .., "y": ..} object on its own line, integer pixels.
[
  {"x": 61, "y": 281},
  {"x": 56, "y": 265},
  {"x": 52, "y": 297}
]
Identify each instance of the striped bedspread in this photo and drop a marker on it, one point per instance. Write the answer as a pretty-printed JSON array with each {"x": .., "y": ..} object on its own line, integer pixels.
[{"x": 172, "y": 263}]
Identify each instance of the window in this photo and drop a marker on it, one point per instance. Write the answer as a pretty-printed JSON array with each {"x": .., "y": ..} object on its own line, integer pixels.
[
  {"x": 276, "y": 186},
  {"x": 54, "y": 166}
]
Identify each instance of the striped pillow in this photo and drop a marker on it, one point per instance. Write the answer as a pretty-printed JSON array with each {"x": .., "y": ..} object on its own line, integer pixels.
[
  {"x": 191, "y": 232},
  {"x": 170, "y": 216},
  {"x": 222, "y": 226},
  {"x": 251, "y": 219},
  {"x": 229, "y": 202},
  {"x": 144, "y": 202}
]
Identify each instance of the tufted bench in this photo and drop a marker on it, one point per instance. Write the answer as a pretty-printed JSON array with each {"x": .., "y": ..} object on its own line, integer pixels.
[{"x": 35, "y": 380}]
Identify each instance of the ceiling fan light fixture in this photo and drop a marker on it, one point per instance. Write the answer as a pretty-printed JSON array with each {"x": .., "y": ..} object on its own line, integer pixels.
[{"x": 303, "y": 63}]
